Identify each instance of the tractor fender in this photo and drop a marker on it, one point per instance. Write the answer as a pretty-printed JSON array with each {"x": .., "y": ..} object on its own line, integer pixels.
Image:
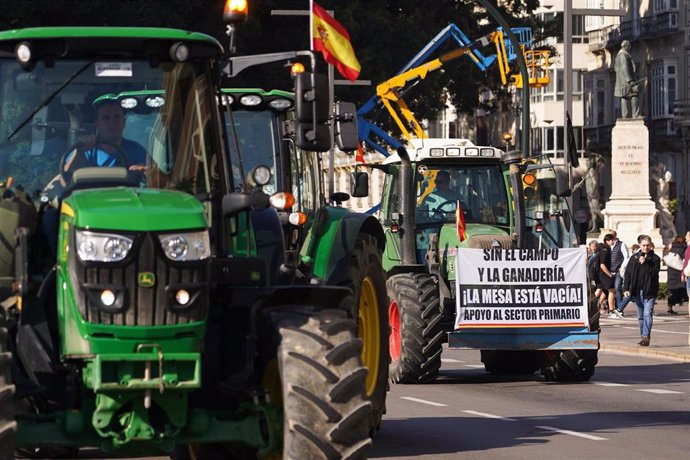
[{"x": 338, "y": 236}]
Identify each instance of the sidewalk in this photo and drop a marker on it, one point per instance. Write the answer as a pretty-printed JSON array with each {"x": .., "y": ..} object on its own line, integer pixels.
[{"x": 670, "y": 334}]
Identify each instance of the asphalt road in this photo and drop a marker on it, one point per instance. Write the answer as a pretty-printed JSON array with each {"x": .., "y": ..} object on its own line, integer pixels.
[{"x": 634, "y": 407}]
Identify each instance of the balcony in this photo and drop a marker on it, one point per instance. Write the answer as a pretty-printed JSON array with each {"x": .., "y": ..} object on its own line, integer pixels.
[
  {"x": 681, "y": 113},
  {"x": 666, "y": 22},
  {"x": 603, "y": 38},
  {"x": 647, "y": 26},
  {"x": 627, "y": 30}
]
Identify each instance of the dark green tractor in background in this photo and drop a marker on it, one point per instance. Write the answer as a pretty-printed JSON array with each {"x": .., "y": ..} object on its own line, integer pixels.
[
  {"x": 326, "y": 242},
  {"x": 140, "y": 306}
]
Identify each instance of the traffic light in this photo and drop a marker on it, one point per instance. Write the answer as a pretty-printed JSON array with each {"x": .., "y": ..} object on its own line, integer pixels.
[
  {"x": 529, "y": 181},
  {"x": 312, "y": 111}
]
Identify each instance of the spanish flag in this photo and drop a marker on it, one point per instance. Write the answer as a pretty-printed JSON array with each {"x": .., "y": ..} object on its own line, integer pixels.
[
  {"x": 331, "y": 38},
  {"x": 460, "y": 222},
  {"x": 359, "y": 158}
]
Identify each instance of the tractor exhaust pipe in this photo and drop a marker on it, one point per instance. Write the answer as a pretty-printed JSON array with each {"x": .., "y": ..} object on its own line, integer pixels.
[
  {"x": 513, "y": 159},
  {"x": 407, "y": 197}
]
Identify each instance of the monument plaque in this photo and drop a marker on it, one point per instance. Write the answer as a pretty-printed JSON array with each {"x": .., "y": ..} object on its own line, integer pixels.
[{"x": 630, "y": 209}]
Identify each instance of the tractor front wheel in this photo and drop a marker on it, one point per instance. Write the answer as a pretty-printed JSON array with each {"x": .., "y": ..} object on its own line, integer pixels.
[
  {"x": 364, "y": 274},
  {"x": 7, "y": 424},
  {"x": 416, "y": 337},
  {"x": 325, "y": 408}
]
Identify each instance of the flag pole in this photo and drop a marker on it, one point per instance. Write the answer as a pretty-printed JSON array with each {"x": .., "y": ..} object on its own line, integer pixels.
[{"x": 311, "y": 25}]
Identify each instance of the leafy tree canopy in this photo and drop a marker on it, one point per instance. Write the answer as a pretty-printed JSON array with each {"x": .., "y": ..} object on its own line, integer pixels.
[{"x": 385, "y": 34}]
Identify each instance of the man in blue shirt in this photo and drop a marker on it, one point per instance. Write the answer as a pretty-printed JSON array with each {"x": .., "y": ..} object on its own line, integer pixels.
[{"x": 110, "y": 148}]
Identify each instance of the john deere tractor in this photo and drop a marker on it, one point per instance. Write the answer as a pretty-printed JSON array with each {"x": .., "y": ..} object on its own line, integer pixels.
[{"x": 147, "y": 306}]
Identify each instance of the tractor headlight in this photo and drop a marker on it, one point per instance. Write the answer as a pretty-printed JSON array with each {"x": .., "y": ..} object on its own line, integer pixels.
[
  {"x": 102, "y": 247},
  {"x": 185, "y": 247}
]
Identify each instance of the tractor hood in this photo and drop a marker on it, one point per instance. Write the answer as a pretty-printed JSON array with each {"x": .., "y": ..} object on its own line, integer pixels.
[
  {"x": 130, "y": 209},
  {"x": 477, "y": 236}
]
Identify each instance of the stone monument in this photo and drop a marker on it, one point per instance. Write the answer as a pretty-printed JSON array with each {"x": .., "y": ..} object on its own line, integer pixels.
[{"x": 630, "y": 210}]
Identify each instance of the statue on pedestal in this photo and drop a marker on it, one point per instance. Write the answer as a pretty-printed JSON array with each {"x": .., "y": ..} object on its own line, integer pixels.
[{"x": 627, "y": 88}]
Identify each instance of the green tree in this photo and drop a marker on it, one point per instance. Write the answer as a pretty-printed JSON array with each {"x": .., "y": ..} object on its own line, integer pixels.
[{"x": 385, "y": 35}]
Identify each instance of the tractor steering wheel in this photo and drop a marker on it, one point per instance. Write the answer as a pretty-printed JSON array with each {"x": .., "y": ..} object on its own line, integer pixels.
[
  {"x": 439, "y": 213},
  {"x": 79, "y": 149}
]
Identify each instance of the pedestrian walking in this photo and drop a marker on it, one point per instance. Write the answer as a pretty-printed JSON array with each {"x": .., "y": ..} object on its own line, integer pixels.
[
  {"x": 674, "y": 263},
  {"x": 620, "y": 306},
  {"x": 641, "y": 283},
  {"x": 619, "y": 258},
  {"x": 606, "y": 276}
]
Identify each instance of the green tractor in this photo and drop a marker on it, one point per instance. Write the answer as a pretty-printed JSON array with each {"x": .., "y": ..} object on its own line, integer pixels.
[
  {"x": 147, "y": 306},
  {"x": 326, "y": 243},
  {"x": 446, "y": 195}
]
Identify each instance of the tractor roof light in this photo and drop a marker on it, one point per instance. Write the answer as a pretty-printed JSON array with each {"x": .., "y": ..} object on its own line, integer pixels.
[
  {"x": 155, "y": 101},
  {"x": 23, "y": 53},
  {"x": 129, "y": 103},
  {"x": 282, "y": 200},
  {"x": 179, "y": 52},
  {"x": 250, "y": 100},
  {"x": 280, "y": 104},
  {"x": 235, "y": 11}
]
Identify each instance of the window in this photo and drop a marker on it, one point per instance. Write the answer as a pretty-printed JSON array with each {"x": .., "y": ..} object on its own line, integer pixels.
[
  {"x": 595, "y": 100},
  {"x": 664, "y": 87},
  {"x": 554, "y": 90}
]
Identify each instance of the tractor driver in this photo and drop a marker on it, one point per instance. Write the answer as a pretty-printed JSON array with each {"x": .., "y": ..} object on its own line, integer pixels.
[
  {"x": 443, "y": 199},
  {"x": 109, "y": 148}
]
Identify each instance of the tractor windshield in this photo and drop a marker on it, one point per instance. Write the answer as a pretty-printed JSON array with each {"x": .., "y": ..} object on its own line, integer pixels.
[
  {"x": 548, "y": 218},
  {"x": 145, "y": 123},
  {"x": 479, "y": 190},
  {"x": 257, "y": 137}
]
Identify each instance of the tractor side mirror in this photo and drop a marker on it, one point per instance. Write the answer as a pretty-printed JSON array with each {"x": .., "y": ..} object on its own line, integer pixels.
[
  {"x": 346, "y": 135},
  {"x": 562, "y": 185},
  {"x": 312, "y": 111},
  {"x": 359, "y": 184}
]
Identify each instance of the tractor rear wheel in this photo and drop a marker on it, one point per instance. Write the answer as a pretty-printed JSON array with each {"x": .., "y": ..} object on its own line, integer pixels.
[
  {"x": 511, "y": 362},
  {"x": 7, "y": 424},
  {"x": 365, "y": 276},
  {"x": 416, "y": 338},
  {"x": 569, "y": 365},
  {"x": 325, "y": 408}
]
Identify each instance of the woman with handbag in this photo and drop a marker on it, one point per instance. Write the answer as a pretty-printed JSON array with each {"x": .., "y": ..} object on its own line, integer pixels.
[{"x": 674, "y": 261}]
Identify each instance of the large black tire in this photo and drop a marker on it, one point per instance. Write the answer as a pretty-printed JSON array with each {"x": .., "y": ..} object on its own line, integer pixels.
[
  {"x": 569, "y": 365},
  {"x": 416, "y": 339},
  {"x": 7, "y": 424},
  {"x": 325, "y": 408},
  {"x": 364, "y": 275},
  {"x": 511, "y": 362}
]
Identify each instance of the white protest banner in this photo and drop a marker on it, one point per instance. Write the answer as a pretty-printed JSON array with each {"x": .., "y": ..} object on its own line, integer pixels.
[{"x": 521, "y": 288}]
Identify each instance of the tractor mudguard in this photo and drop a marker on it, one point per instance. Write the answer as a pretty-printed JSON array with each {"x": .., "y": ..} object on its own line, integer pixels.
[
  {"x": 336, "y": 238},
  {"x": 270, "y": 243}
]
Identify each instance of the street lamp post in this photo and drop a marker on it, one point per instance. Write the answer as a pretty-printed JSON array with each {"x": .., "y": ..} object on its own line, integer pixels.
[{"x": 568, "y": 13}]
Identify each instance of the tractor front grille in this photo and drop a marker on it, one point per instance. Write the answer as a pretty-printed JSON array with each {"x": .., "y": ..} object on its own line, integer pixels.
[{"x": 139, "y": 304}]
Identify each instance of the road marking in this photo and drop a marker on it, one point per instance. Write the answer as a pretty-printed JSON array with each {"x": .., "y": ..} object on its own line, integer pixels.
[
  {"x": 484, "y": 414},
  {"x": 475, "y": 366},
  {"x": 423, "y": 401},
  {"x": 611, "y": 384},
  {"x": 450, "y": 360},
  {"x": 656, "y": 330},
  {"x": 572, "y": 433},
  {"x": 661, "y": 392}
]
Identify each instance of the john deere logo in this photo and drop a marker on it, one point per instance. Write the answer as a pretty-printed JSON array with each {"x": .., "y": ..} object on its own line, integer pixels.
[{"x": 147, "y": 279}]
